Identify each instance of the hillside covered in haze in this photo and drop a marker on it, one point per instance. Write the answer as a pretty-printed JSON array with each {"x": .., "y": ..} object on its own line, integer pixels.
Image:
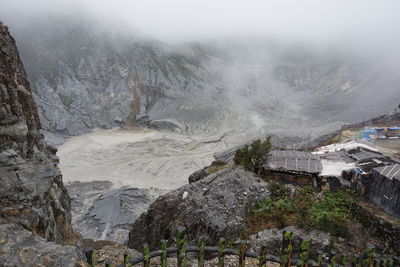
[{"x": 79, "y": 71}]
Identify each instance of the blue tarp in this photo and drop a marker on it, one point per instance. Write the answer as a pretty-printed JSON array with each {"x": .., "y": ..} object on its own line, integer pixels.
[{"x": 367, "y": 132}]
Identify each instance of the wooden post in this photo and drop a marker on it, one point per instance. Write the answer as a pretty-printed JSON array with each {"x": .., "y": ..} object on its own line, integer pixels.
[
  {"x": 287, "y": 248},
  {"x": 127, "y": 259},
  {"x": 201, "y": 256},
  {"x": 90, "y": 257},
  {"x": 262, "y": 261},
  {"x": 164, "y": 255},
  {"x": 181, "y": 245},
  {"x": 221, "y": 248},
  {"x": 304, "y": 252},
  {"x": 146, "y": 255}
]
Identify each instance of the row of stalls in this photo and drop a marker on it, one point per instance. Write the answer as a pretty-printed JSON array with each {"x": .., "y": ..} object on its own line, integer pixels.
[
  {"x": 370, "y": 134},
  {"x": 332, "y": 167},
  {"x": 373, "y": 174}
]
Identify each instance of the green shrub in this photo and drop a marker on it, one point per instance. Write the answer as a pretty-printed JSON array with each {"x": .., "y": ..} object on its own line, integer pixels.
[
  {"x": 306, "y": 209},
  {"x": 252, "y": 156}
]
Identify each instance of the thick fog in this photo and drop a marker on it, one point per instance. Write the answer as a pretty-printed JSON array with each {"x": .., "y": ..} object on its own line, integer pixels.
[
  {"x": 266, "y": 61},
  {"x": 363, "y": 27},
  {"x": 178, "y": 20}
]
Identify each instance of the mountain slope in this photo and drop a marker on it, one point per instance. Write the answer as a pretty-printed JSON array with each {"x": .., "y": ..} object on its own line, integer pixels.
[{"x": 81, "y": 72}]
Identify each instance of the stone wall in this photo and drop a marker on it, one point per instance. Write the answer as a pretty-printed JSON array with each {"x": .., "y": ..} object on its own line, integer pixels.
[{"x": 383, "y": 229}]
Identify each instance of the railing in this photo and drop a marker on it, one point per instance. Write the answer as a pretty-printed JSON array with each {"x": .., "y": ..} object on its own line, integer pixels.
[{"x": 367, "y": 259}]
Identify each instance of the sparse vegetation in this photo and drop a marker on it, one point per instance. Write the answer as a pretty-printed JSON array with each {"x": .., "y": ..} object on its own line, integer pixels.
[
  {"x": 328, "y": 211},
  {"x": 252, "y": 156},
  {"x": 214, "y": 169},
  {"x": 335, "y": 139}
]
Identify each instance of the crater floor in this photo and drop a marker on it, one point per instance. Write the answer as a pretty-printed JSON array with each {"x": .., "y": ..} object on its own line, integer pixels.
[{"x": 139, "y": 158}]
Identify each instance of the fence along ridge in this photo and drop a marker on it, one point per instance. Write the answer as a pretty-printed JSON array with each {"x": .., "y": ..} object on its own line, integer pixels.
[{"x": 367, "y": 259}]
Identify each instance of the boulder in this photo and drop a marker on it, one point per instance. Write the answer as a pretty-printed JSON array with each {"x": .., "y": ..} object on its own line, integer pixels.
[{"x": 215, "y": 206}]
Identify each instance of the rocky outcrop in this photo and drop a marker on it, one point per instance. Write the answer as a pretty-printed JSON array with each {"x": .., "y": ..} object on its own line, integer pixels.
[
  {"x": 32, "y": 194},
  {"x": 101, "y": 212},
  {"x": 200, "y": 174},
  {"x": 216, "y": 206},
  {"x": 19, "y": 247}
]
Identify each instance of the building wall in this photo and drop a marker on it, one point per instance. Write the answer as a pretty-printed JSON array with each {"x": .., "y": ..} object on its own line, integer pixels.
[
  {"x": 384, "y": 192},
  {"x": 292, "y": 178}
]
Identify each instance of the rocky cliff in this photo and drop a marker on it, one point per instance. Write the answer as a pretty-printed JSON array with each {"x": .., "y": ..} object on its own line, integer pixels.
[
  {"x": 215, "y": 206},
  {"x": 34, "y": 204}
]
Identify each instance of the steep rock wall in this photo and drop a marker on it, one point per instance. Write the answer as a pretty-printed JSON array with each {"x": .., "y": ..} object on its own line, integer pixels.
[{"x": 32, "y": 194}]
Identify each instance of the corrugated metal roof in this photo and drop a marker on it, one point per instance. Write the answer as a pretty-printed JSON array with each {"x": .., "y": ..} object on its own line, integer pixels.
[
  {"x": 362, "y": 155},
  {"x": 389, "y": 171},
  {"x": 292, "y": 160},
  {"x": 292, "y": 154}
]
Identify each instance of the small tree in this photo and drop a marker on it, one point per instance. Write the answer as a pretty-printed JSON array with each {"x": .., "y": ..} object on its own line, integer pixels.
[{"x": 252, "y": 156}]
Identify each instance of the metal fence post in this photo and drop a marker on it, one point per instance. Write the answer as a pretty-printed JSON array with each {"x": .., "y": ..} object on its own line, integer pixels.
[
  {"x": 181, "y": 245},
  {"x": 146, "y": 255},
  {"x": 262, "y": 261},
  {"x": 287, "y": 248},
  {"x": 221, "y": 248},
  {"x": 90, "y": 256},
  {"x": 304, "y": 252},
  {"x": 201, "y": 255},
  {"x": 127, "y": 259},
  {"x": 164, "y": 255},
  {"x": 243, "y": 246}
]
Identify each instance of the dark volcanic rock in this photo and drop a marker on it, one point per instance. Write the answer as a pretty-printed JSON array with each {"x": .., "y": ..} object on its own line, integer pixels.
[
  {"x": 216, "y": 206},
  {"x": 32, "y": 194},
  {"x": 19, "y": 247},
  {"x": 104, "y": 213},
  {"x": 200, "y": 174}
]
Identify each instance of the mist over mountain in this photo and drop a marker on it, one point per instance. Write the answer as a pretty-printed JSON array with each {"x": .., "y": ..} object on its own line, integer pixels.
[
  {"x": 79, "y": 74},
  {"x": 266, "y": 73}
]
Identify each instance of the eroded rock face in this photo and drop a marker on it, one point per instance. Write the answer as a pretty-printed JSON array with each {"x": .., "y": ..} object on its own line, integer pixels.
[
  {"x": 32, "y": 194},
  {"x": 18, "y": 247},
  {"x": 103, "y": 213},
  {"x": 215, "y": 206}
]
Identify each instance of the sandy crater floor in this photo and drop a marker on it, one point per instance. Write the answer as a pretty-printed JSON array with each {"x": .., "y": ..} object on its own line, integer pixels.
[{"x": 139, "y": 158}]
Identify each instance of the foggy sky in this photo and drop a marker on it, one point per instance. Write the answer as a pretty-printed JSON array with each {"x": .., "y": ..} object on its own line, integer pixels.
[{"x": 188, "y": 20}]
